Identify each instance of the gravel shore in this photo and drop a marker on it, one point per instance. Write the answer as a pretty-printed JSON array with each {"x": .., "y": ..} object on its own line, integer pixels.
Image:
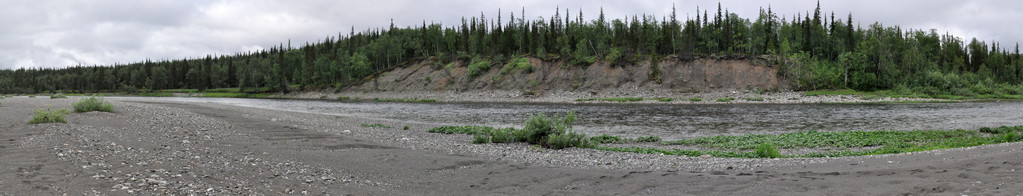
[
  {"x": 176, "y": 148},
  {"x": 650, "y": 96}
]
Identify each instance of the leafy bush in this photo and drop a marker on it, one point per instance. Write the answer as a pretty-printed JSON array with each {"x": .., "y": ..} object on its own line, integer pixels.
[
  {"x": 48, "y": 116},
  {"x": 478, "y": 66},
  {"x": 58, "y": 96},
  {"x": 404, "y": 128},
  {"x": 766, "y": 150},
  {"x": 540, "y": 130},
  {"x": 614, "y": 56},
  {"x": 566, "y": 140},
  {"x": 1011, "y": 137},
  {"x": 93, "y": 104},
  {"x": 480, "y": 139}
]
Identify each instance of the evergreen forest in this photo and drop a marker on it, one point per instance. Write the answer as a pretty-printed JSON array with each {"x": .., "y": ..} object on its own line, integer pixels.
[{"x": 814, "y": 50}]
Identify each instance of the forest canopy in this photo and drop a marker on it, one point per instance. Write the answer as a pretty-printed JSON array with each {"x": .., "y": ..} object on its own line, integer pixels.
[{"x": 813, "y": 50}]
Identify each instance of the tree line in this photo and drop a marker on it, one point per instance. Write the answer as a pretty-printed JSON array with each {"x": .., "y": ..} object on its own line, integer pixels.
[{"x": 814, "y": 50}]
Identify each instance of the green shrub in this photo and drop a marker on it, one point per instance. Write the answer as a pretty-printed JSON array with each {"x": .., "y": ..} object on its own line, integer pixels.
[
  {"x": 480, "y": 139},
  {"x": 1011, "y": 137},
  {"x": 477, "y": 66},
  {"x": 540, "y": 130},
  {"x": 766, "y": 150},
  {"x": 344, "y": 98},
  {"x": 606, "y": 139},
  {"x": 725, "y": 99},
  {"x": 58, "y": 96},
  {"x": 566, "y": 140},
  {"x": 93, "y": 104},
  {"x": 404, "y": 128},
  {"x": 695, "y": 99},
  {"x": 648, "y": 139},
  {"x": 48, "y": 116},
  {"x": 665, "y": 99}
]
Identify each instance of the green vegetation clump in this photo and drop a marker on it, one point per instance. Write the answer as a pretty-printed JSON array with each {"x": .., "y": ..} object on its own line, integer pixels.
[
  {"x": 549, "y": 132},
  {"x": 766, "y": 150},
  {"x": 1001, "y": 129},
  {"x": 48, "y": 116},
  {"x": 755, "y": 99},
  {"x": 376, "y": 125},
  {"x": 725, "y": 99},
  {"x": 695, "y": 99},
  {"x": 478, "y": 66},
  {"x": 606, "y": 139},
  {"x": 93, "y": 104},
  {"x": 404, "y": 128},
  {"x": 32, "y": 96},
  {"x": 521, "y": 63},
  {"x": 58, "y": 96},
  {"x": 665, "y": 99},
  {"x": 344, "y": 98},
  {"x": 648, "y": 139}
]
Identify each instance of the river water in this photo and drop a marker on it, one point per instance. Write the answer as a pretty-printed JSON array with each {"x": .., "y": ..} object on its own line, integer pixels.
[{"x": 666, "y": 121}]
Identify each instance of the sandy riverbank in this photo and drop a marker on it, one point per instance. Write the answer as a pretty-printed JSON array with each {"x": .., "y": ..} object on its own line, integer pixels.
[{"x": 201, "y": 148}]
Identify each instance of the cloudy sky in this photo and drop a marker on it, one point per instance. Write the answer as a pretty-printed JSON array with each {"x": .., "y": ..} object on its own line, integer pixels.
[{"x": 45, "y": 33}]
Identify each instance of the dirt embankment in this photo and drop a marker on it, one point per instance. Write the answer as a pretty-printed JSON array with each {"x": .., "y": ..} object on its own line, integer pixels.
[{"x": 669, "y": 76}]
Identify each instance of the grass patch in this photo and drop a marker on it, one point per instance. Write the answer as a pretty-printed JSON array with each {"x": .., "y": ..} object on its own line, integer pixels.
[
  {"x": 48, "y": 116},
  {"x": 93, "y": 104},
  {"x": 725, "y": 99},
  {"x": 878, "y": 142},
  {"x": 344, "y": 98},
  {"x": 377, "y": 125},
  {"x": 58, "y": 96},
  {"x": 695, "y": 99},
  {"x": 621, "y": 99},
  {"x": 31, "y": 96},
  {"x": 665, "y": 99}
]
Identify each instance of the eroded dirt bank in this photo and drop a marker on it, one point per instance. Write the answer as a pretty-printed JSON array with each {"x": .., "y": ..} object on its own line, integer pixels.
[{"x": 209, "y": 149}]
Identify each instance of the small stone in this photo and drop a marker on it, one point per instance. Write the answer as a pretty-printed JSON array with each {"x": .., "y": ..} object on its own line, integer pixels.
[
  {"x": 346, "y": 131},
  {"x": 705, "y": 156}
]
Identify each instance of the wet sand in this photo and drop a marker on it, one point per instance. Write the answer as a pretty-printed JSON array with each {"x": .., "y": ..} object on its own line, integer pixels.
[{"x": 174, "y": 148}]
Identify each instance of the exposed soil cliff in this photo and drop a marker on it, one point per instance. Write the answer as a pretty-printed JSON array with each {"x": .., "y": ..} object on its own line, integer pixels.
[{"x": 669, "y": 76}]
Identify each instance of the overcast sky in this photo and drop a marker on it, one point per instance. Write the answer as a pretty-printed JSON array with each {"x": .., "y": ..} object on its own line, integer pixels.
[{"x": 44, "y": 33}]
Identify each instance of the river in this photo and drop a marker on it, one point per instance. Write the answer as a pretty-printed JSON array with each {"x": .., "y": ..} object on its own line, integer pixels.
[{"x": 668, "y": 121}]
